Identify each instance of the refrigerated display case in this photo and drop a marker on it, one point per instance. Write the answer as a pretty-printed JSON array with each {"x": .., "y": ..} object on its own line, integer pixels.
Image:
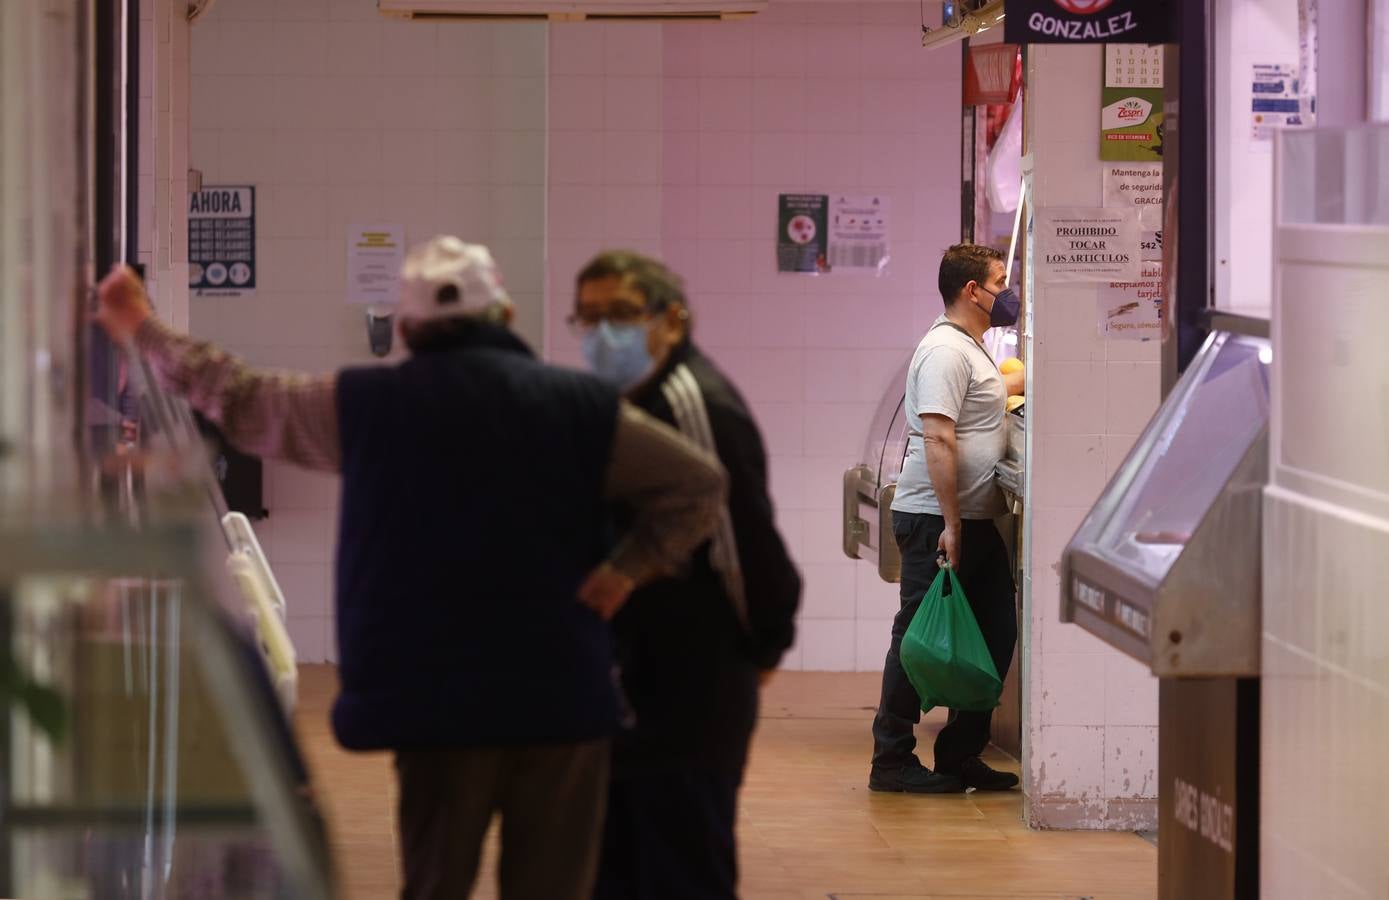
[
  {"x": 1166, "y": 565},
  {"x": 144, "y": 750}
]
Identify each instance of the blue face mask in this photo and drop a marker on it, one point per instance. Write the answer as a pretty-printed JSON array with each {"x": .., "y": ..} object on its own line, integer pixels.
[
  {"x": 617, "y": 353},
  {"x": 1006, "y": 308}
]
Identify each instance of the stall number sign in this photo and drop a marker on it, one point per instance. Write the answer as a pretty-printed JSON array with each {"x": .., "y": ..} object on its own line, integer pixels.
[{"x": 222, "y": 241}]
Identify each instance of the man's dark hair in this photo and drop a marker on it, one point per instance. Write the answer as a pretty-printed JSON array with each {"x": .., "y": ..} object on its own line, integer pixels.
[
  {"x": 962, "y": 264},
  {"x": 658, "y": 286}
]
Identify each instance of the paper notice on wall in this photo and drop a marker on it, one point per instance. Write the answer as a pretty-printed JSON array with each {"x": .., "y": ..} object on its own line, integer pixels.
[
  {"x": 1276, "y": 102},
  {"x": 374, "y": 257},
  {"x": 1132, "y": 310},
  {"x": 858, "y": 233},
  {"x": 1084, "y": 244},
  {"x": 1138, "y": 186}
]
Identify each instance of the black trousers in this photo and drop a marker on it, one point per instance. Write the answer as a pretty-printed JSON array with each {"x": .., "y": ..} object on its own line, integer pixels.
[
  {"x": 986, "y": 574},
  {"x": 550, "y": 798},
  {"x": 669, "y": 836}
]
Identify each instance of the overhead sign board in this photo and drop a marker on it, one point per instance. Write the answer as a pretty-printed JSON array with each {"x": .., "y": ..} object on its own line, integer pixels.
[{"x": 1088, "y": 22}]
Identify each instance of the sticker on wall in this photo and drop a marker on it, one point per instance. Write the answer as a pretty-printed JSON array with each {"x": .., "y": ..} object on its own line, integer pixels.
[
  {"x": 222, "y": 241},
  {"x": 1276, "y": 100},
  {"x": 1131, "y": 120},
  {"x": 1132, "y": 310},
  {"x": 858, "y": 240},
  {"x": 802, "y": 233},
  {"x": 1083, "y": 244},
  {"x": 374, "y": 256},
  {"x": 1138, "y": 186}
]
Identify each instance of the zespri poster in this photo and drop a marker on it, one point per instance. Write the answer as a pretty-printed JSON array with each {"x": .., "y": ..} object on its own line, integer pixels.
[{"x": 1131, "y": 118}]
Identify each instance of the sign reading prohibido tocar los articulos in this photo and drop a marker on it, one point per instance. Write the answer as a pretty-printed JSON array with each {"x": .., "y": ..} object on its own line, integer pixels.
[{"x": 1087, "y": 22}]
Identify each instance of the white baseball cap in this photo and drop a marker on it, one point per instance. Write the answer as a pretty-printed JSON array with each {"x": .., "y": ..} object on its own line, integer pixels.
[{"x": 446, "y": 277}]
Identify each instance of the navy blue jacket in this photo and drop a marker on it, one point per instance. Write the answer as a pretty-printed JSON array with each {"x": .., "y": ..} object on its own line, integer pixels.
[{"x": 472, "y": 509}]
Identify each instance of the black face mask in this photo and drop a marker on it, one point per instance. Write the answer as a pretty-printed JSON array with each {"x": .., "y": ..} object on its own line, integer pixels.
[{"x": 1006, "y": 307}]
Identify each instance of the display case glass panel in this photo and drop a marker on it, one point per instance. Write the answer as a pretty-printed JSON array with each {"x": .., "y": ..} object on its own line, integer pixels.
[
  {"x": 1165, "y": 567},
  {"x": 1187, "y": 456}
]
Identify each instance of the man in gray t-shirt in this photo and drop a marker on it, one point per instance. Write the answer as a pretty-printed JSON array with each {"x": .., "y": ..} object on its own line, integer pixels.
[
  {"x": 945, "y": 505},
  {"x": 953, "y": 378}
]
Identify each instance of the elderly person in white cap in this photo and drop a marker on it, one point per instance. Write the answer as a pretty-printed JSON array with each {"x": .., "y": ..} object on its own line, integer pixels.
[{"x": 475, "y": 564}]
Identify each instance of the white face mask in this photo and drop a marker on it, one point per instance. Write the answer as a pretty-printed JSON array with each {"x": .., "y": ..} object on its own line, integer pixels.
[{"x": 618, "y": 353}]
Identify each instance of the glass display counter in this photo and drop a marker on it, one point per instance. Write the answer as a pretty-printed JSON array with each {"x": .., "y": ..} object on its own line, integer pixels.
[
  {"x": 145, "y": 750},
  {"x": 144, "y": 745},
  {"x": 1166, "y": 565}
]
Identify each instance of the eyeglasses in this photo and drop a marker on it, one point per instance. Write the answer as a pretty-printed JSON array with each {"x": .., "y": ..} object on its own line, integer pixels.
[{"x": 582, "y": 323}]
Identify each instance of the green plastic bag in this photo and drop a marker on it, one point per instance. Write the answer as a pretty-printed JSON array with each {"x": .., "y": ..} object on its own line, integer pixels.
[{"x": 944, "y": 654}]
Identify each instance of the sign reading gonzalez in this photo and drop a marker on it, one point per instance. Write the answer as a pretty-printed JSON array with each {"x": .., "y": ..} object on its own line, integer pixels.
[{"x": 1087, "y": 22}]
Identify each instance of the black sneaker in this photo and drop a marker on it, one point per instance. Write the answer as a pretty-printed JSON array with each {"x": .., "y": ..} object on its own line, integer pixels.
[
  {"x": 912, "y": 779},
  {"x": 974, "y": 774}
]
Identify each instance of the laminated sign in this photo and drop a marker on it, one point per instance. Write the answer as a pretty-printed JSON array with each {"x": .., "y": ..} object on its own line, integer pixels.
[
  {"x": 1087, "y": 21},
  {"x": 1079, "y": 244},
  {"x": 1277, "y": 100},
  {"x": 222, "y": 241},
  {"x": 802, "y": 233}
]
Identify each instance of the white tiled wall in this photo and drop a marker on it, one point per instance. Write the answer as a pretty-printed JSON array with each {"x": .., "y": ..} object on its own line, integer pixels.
[
  {"x": 1325, "y": 687},
  {"x": 1091, "y": 713},
  {"x": 337, "y": 116},
  {"x": 162, "y": 128},
  {"x": 1325, "y": 700},
  {"x": 676, "y": 139}
]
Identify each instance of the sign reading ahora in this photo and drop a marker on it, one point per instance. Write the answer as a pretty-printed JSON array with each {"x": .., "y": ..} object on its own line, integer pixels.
[{"x": 1088, "y": 22}]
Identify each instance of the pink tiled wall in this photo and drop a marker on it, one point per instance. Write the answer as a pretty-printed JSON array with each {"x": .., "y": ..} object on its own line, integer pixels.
[
  {"x": 671, "y": 139},
  {"x": 1091, "y": 712},
  {"x": 676, "y": 139},
  {"x": 338, "y": 116}
]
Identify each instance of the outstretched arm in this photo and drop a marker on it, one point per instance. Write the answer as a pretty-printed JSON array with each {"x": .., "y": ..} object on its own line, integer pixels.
[{"x": 270, "y": 414}]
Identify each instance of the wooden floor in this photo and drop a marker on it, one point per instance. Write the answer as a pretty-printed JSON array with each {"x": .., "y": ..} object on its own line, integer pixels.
[{"x": 809, "y": 827}]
